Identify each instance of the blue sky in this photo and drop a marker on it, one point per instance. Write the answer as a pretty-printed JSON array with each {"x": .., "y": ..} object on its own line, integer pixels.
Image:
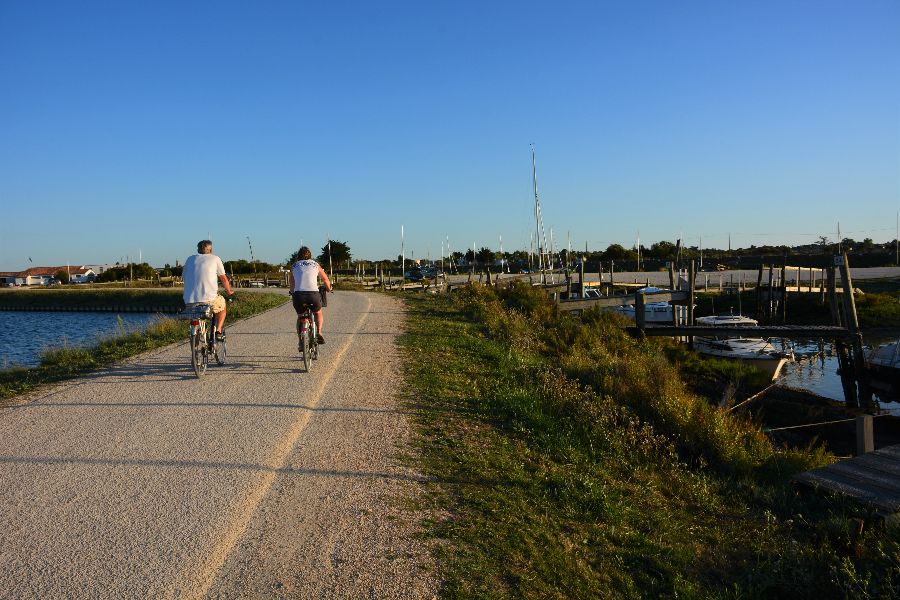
[{"x": 130, "y": 128}]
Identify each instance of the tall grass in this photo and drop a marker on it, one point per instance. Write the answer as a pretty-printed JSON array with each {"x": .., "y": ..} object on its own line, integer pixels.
[{"x": 576, "y": 463}]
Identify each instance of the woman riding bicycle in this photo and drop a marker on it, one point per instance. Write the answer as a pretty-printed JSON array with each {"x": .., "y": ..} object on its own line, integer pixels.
[{"x": 305, "y": 287}]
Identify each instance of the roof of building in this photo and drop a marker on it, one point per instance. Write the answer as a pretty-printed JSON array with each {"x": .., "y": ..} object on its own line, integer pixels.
[{"x": 47, "y": 271}]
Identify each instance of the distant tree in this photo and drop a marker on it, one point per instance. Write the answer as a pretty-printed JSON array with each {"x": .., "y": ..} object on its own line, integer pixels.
[
  {"x": 62, "y": 276},
  {"x": 338, "y": 252},
  {"x": 485, "y": 256},
  {"x": 663, "y": 250},
  {"x": 616, "y": 252}
]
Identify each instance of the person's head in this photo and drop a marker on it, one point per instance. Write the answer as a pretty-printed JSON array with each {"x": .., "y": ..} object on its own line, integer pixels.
[
  {"x": 305, "y": 253},
  {"x": 204, "y": 247}
]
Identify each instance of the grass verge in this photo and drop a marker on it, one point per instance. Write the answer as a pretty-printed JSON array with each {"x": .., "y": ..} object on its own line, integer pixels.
[
  {"x": 65, "y": 363},
  {"x": 87, "y": 297},
  {"x": 571, "y": 461}
]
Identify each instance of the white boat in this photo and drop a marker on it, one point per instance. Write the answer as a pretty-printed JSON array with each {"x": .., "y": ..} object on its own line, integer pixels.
[
  {"x": 884, "y": 361},
  {"x": 757, "y": 351},
  {"x": 654, "y": 312}
]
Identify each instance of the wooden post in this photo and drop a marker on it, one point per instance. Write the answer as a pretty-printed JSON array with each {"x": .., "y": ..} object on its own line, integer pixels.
[
  {"x": 823, "y": 286},
  {"x": 581, "y": 278},
  {"x": 783, "y": 291},
  {"x": 692, "y": 274},
  {"x": 671, "y": 276},
  {"x": 568, "y": 283},
  {"x": 771, "y": 297},
  {"x": 865, "y": 435},
  {"x": 759, "y": 292},
  {"x": 832, "y": 298},
  {"x": 853, "y": 325},
  {"x": 611, "y": 283},
  {"x": 844, "y": 365},
  {"x": 640, "y": 316}
]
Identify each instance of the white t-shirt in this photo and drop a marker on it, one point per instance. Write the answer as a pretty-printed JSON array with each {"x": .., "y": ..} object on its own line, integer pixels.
[
  {"x": 305, "y": 273},
  {"x": 201, "y": 277}
]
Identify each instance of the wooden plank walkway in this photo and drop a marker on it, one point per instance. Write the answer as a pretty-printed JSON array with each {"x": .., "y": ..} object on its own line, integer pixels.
[
  {"x": 872, "y": 479},
  {"x": 762, "y": 331}
]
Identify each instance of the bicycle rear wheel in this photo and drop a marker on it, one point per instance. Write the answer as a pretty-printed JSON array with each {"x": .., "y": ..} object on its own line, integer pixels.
[
  {"x": 198, "y": 352},
  {"x": 314, "y": 341},
  {"x": 303, "y": 346}
]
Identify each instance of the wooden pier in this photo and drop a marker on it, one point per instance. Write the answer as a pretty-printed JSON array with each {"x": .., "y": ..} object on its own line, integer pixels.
[
  {"x": 763, "y": 331},
  {"x": 872, "y": 479}
]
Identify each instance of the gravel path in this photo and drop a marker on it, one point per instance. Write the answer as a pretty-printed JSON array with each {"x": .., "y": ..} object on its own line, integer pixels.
[{"x": 259, "y": 480}]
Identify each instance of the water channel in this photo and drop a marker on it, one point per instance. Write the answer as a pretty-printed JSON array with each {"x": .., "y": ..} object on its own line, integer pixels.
[
  {"x": 816, "y": 370},
  {"x": 25, "y": 335}
]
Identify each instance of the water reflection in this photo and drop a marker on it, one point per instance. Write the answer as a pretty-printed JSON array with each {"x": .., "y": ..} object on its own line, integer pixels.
[{"x": 816, "y": 370}]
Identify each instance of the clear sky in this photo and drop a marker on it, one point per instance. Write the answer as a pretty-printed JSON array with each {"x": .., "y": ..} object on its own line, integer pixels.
[{"x": 132, "y": 128}]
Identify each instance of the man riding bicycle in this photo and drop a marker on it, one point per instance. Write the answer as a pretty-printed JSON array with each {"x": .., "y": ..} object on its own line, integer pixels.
[
  {"x": 200, "y": 273},
  {"x": 305, "y": 288}
]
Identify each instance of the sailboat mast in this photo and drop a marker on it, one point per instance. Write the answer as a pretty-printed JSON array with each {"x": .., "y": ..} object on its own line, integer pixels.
[{"x": 537, "y": 211}]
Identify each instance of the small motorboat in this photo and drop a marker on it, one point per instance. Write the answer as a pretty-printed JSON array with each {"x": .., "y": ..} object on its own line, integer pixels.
[
  {"x": 654, "y": 312},
  {"x": 884, "y": 362},
  {"x": 756, "y": 351}
]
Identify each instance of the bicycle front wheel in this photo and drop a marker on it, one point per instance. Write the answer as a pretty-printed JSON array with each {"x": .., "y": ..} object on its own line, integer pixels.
[
  {"x": 221, "y": 351},
  {"x": 217, "y": 348}
]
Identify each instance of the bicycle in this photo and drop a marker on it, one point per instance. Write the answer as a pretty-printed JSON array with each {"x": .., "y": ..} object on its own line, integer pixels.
[
  {"x": 308, "y": 332},
  {"x": 203, "y": 337}
]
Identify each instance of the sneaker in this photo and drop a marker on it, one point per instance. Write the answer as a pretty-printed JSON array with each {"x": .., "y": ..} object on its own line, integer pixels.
[
  {"x": 220, "y": 336},
  {"x": 320, "y": 339}
]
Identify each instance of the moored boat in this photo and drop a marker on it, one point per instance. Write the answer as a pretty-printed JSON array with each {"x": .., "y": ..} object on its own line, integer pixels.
[
  {"x": 654, "y": 312},
  {"x": 756, "y": 351},
  {"x": 884, "y": 362}
]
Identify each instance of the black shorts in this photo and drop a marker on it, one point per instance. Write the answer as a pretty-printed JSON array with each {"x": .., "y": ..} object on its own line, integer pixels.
[{"x": 302, "y": 299}]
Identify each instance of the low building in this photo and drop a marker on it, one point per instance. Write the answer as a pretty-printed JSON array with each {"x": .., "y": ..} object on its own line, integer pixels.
[{"x": 47, "y": 275}]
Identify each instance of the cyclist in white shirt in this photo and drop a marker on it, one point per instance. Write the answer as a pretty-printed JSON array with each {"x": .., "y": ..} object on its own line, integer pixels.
[
  {"x": 202, "y": 273},
  {"x": 305, "y": 287}
]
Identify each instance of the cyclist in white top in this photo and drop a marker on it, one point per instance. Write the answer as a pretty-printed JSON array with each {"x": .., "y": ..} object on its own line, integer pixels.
[
  {"x": 200, "y": 274},
  {"x": 305, "y": 287}
]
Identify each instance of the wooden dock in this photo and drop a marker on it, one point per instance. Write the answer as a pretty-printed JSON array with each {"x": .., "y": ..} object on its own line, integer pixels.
[
  {"x": 872, "y": 479},
  {"x": 763, "y": 331}
]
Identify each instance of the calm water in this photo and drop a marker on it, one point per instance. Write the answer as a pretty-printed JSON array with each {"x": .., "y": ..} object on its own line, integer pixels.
[
  {"x": 24, "y": 335},
  {"x": 816, "y": 371}
]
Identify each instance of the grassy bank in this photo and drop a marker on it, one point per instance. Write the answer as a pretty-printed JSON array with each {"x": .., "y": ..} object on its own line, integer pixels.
[
  {"x": 90, "y": 297},
  {"x": 571, "y": 461},
  {"x": 65, "y": 363}
]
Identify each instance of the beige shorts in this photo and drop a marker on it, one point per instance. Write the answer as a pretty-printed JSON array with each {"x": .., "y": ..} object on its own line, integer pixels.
[{"x": 217, "y": 304}]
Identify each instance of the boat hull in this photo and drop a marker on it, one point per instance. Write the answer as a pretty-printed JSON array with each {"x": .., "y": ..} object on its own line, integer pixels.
[{"x": 765, "y": 358}]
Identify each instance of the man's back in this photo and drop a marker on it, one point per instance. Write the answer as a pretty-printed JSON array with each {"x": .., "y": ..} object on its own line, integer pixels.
[{"x": 200, "y": 274}]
